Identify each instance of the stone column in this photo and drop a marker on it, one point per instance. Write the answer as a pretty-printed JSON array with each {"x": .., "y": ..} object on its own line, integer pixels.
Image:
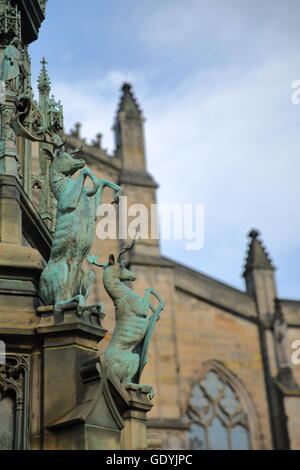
[
  {"x": 9, "y": 161},
  {"x": 10, "y": 211}
]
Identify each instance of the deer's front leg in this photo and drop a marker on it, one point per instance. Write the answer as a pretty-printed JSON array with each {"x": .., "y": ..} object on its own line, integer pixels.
[
  {"x": 88, "y": 173},
  {"x": 161, "y": 305},
  {"x": 113, "y": 186}
]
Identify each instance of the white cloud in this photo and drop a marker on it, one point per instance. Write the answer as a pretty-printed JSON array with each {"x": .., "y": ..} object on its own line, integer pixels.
[{"x": 93, "y": 102}]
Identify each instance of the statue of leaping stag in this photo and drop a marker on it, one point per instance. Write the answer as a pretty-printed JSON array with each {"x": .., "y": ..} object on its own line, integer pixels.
[
  {"x": 63, "y": 281},
  {"x": 126, "y": 354}
]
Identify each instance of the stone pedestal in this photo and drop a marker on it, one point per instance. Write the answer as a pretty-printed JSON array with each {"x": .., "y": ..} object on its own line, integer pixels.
[
  {"x": 95, "y": 422},
  {"x": 106, "y": 416},
  {"x": 67, "y": 343},
  {"x": 134, "y": 435}
]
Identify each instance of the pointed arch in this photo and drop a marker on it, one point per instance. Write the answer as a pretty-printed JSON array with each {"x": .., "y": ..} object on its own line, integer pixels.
[{"x": 220, "y": 411}]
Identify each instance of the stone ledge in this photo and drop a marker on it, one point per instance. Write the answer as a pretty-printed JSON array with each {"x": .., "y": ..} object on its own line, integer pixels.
[
  {"x": 167, "y": 424},
  {"x": 71, "y": 322},
  {"x": 17, "y": 256}
]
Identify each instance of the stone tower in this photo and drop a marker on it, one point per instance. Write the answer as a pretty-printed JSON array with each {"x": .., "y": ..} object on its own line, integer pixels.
[{"x": 137, "y": 183}]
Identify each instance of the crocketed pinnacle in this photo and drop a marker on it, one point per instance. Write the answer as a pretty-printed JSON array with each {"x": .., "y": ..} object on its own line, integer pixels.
[
  {"x": 257, "y": 256},
  {"x": 44, "y": 84},
  {"x": 128, "y": 103}
]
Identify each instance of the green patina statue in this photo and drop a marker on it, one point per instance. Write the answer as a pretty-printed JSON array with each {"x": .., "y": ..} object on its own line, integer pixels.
[
  {"x": 63, "y": 281},
  {"x": 126, "y": 353},
  {"x": 10, "y": 68}
]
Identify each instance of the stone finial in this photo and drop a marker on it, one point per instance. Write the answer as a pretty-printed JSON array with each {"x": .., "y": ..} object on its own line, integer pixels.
[
  {"x": 253, "y": 233},
  {"x": 126, "y": 87},
  {"x": 44, "y": 83},
  {"x": 43, "y": 4},
  {"x": 76, "y": 131},
  {"x": 97, "y": 142},
  {"x": 257, "y": 256}
]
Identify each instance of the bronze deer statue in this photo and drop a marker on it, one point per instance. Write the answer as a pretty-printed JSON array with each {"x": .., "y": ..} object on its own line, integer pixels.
[
  {"x": 63, "y": 281},
  {"x": 126, "y": 354}
]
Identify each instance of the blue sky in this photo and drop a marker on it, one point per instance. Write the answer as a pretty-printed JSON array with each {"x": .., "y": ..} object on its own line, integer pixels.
[{"x": 214, "y": 81}]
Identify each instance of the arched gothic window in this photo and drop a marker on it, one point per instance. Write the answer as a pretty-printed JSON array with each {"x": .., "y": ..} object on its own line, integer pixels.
[{"x": 216, "y": 416}]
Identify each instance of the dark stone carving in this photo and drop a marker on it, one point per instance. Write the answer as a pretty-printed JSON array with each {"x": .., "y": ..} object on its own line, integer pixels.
[
  {"x": 32, "y": 15},
  {"x": 10, "y": 22},
  {"x": 14, "y": 402},
  {"x": 7, "y": 419}
]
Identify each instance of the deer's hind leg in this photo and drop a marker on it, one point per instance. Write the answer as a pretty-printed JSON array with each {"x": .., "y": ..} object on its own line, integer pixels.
[
  {"x": 53, "y": 282},
  {"x": 133, "y": 360},
  {"x": 55, "y": 278},
  {"x": 85, "y": 289},
  {"x": 60, "y": 306},
  {"x": 86, "y": 283}
]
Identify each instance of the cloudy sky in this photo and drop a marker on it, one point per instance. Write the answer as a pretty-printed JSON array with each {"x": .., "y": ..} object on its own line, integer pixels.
[{"x": 214, "y": 79}]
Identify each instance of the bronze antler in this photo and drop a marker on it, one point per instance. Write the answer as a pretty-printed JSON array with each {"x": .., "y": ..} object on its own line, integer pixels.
[
  {"x": 50, "y": 142},
  {"x": 76, "y": 151},
  {"x": 126, "y": 249},
  {"x": 92, "y": 259},
  {"x": 50, "y": 155}
]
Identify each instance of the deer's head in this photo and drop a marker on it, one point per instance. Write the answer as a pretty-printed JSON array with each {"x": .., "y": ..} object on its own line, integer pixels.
[
  {"x": 115, "y": 268},
  {"x": 64, "y": 163}
]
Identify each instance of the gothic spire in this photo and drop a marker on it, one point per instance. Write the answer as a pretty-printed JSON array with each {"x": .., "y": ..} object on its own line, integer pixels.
[
  {"x": 257, "y": 256},
  {"x": 128, "y": 103},
  {"x": 44, "y": 83}
]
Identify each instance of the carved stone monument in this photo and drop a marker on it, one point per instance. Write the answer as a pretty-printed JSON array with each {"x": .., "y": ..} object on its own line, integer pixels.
[{"x": 55, "y": 390}]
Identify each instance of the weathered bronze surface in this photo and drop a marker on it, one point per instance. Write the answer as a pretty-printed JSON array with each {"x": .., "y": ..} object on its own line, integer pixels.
[
  {"x": 126, "y": 353},
  {"x": 63, "y": 280}
]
